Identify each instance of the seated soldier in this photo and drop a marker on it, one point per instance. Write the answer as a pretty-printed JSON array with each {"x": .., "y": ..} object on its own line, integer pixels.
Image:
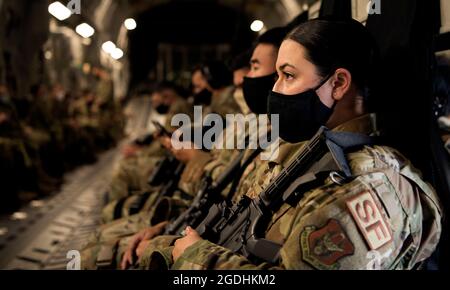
[
  {"x": 133, "y": 171},
  {"x": 263, "y": 65},
  {"x": 83, "y": 124},
  {"x": 167, "y": 101},
  {"x": 383, "y": 217},
  {"x": 240, "y": 67},
  {"x": 216, "y": 77},
  {"x": 105, "y": 109},
  {"x": 213, "y": 77},
  {"x": 219, "y": 82}
]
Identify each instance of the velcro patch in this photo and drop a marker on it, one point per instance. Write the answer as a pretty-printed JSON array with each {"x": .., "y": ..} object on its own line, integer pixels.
[
  {"x": 322, "y": 248},
  {"x": 370, "y": 221}
]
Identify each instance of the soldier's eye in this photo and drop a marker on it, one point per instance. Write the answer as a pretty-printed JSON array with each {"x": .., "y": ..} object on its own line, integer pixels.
[{"x": 287, "y": 75}]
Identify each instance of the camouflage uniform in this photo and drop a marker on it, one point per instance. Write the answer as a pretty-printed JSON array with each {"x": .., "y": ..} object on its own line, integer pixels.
[
  {"x": 385, "y": 218},
  {"x": 224, "y": 102},
  {"x": 84, "y": 128},
  {"x": 132, "y": 173},
  {"x": 112, "y": 237},
  {"x": 107, "y": 111}
]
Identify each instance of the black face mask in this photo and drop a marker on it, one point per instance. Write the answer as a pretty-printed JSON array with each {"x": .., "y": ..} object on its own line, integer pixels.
[
  {"x": 203, "y": 98},
  {"x": 162, "y": 109},
  {"x": 301, "y": 115},
  {"x": 256, "y": 91}
]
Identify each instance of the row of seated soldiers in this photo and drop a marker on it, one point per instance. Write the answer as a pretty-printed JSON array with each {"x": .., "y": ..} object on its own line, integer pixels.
[
  {"x": 323, "y": 199},
  {"x": 48, "y": 133}
]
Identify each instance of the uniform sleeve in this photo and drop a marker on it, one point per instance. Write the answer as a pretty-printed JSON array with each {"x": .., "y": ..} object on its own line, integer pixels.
[
  {"x": 205, "y": 255},
  {"x": 179, "y": 107},
  {"x": 362, "y": 225},
  {"x": 332, "y": 227},
  {"x": 158, "y": 254},
  {"x": 193, "y": 172},
  {"x": 373, "y": 222}
]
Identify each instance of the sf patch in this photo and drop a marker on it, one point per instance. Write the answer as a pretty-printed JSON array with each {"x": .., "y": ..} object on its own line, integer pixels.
[
  {"x": 370, "y": 220},
  {"x": 322, "y": 248}
]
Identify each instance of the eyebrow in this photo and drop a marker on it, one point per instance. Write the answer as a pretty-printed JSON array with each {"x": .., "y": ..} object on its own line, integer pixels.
[
  {"x": 281, "y": 67},
  {"x": 254, "y": 61}
]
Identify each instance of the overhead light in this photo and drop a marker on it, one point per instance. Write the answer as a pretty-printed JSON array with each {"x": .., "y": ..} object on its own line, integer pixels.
[
  {"x": 257, "y": 26},
  {"x": 130, "y": 24},
  {"x": 108, "y": 47},
  {"x": 85, "y": 30},
  {"x": 117, "y": 53},
  {"x": 305, "y": 7},
  {"x": 60, "y": 11}
]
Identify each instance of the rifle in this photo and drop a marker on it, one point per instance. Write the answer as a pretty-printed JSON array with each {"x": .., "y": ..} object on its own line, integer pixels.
[
  {"x": 147, "y": 139},
  {"x": 144, "y": 140},
  {"x": 241, "y": 228},
  {"x": 163, "y": 170},
  {"x": 209, "y": 194},
  {"x": 161, "y": 131},
  {"x": 173, "y": 171}
]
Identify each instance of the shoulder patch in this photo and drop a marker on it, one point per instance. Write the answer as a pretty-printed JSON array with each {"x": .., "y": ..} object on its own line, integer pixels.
[
  {"x": 322, "y": 248},
  {"x": 367, "y": 215}
]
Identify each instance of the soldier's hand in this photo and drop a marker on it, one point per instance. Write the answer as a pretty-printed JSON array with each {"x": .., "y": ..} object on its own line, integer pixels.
[
  {"x": 156, "y": 135},
  {"x": 154, "y": 230},
  {"x": 185, "y": 155},
  {"x": 189, "y": 151},
  {"x": 141, "y": 248},
  {"x": 166, "y": 142},
  {"x": 182, "y": 244},
  {"x": 130, "y": 150},
  {"x": 127, "y": 258},
  {"x": 145, "y": 234}
]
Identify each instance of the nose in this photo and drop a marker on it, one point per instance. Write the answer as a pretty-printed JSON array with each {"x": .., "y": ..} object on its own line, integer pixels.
[{"x": 277, "y": 86}]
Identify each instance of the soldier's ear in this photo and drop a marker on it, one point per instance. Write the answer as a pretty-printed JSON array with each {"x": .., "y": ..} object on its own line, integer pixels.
[{"x": 341, "y": 82}]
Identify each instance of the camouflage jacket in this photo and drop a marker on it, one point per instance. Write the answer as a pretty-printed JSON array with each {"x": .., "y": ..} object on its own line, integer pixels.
[
  {"x": 224, "y": 103},
  {"x": 179, "y": 106},
  {"x": 214, "y": 162},
  {"x": 384, "y": 218},
  {"x": 208, "y": 164}
]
